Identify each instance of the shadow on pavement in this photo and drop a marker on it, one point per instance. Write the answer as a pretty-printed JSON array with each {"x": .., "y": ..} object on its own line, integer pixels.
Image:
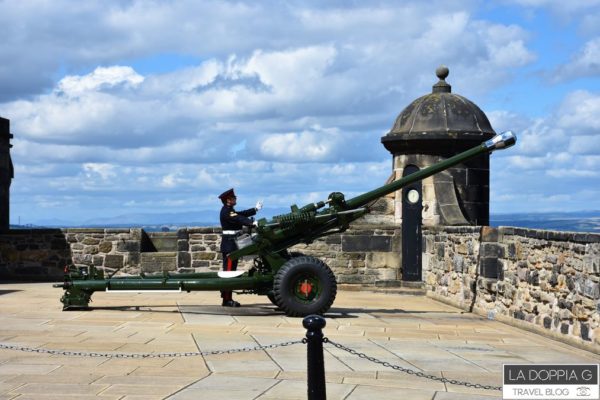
[
  {"x": 265, "y": 309},
  {"x": 8, "y": 291}
]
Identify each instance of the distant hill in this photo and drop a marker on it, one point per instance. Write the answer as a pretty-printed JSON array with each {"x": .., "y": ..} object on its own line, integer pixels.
[
  {"x": 148, "y": 221},
  {"x": 577, "y": 221}
]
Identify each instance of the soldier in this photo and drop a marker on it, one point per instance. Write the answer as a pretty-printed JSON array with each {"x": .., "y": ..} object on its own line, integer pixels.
[{"x": 232, "y": 222}]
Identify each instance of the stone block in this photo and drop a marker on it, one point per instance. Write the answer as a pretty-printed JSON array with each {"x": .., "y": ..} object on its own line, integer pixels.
[
  {"x": 489, "y": 268},
  {"x": 591, "y": 260},
  {"x": 511, "y": 250},
  {"x": 489, "y": 234},
  {"x": 354, "y": 243},
  {"x": 383, "y": 260},
  {"x": 90, "y": 241},
  {"x": 519, "y": 315},
  {"x": 83, "y": 259},
  {"x": 133, "y": 259},
  {"x": 584, "y": 331},
  {"x": 105, "y": 247},
  {"x": 204, "y": 256},
  {"x": 90, "y": 250},
  {"x": 440, "y": 250},
  {"x": 114, "y": 261},
  {"x": 523, "y": 274},
  {"x": 184, "y": 260},
  {"x": 183, "y": 245},
  {"x": 182, "y": 233},
  {"x": 333, "y": 239},
  {"x": 200, "y": 264},
  {"x": 158, "y": 261},
  {"x": 591, "y": 289},
  {"x": 491, "y": 250},
  {"x": 534, "y": 278},
  {"x": 458, "y": 263},
  {"x": 461, "y": 248},
  {"x": 117, "y": 230},
  {"x": 128, "y": 245},
  {"x": 547, "y": 322}
]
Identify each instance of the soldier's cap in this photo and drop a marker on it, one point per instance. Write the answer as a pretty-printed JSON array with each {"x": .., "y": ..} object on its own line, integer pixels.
[{"x": 227, "y": 194}]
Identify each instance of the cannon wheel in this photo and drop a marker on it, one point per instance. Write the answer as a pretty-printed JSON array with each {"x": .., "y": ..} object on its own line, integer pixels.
[
  {"x": 303, "y": 286},
  {"x": 271, "y": 297},
  {"x": 271, "y": 294}
]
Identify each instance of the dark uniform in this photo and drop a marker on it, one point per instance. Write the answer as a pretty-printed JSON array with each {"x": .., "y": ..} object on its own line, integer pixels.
[{"x": 232, "y": 222}]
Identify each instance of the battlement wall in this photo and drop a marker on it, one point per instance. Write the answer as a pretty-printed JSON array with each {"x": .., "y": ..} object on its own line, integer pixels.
[
  {"x": 364, "y": 255},
  {"x": 545, "y": 281},
  {"x": 541, "y": 280}
]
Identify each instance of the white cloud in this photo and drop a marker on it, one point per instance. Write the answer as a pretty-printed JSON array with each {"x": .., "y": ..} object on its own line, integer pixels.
[
  {"x": 585, "y": 144},
  {"x": 100, "y": 78},
  {"x": 585, "y": 63},
  {"x": 292, "y": 104},
  {"x": 579, "y": 112},
  {"x": 303, "y": 146},
  {"x": 172, "y": 180},
  {"x": 104, "y": 171}
]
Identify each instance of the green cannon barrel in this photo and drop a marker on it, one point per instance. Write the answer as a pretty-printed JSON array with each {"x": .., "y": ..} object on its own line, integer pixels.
[
  {"x": 270, "y": 244},
  {"x": 308, "y": 223},
  {"x": 502, "y": 141}
]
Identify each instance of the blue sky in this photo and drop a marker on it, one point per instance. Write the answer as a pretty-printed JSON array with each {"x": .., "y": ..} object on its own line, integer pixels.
[{"x": 129, "y": 107}]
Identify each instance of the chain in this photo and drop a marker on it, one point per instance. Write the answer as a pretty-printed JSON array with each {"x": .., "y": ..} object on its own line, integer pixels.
[
  {"x": 241, "y": 350},
  {"x": 145, "y": 355},
  {"x": 410, "y": 371}
]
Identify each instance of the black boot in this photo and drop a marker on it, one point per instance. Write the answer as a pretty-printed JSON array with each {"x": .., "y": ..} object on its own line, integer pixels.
[{"x": 230, "y": 303}]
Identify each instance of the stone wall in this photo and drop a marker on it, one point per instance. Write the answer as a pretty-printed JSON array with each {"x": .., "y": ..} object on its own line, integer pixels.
[
  {"x": 544, "y": 280},
  {"x": 365, "y": 254},
  {"x": 42, "y": 254}
]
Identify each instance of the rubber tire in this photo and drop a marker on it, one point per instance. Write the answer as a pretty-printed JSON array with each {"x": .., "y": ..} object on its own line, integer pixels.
[
  {"x": 271, "y": 294},
  {"x": 272, "y": 299},
  {"x": 283, "y": 286}
]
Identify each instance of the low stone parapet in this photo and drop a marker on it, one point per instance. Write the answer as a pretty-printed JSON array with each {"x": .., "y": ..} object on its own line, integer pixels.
[
  {"x": 550, "y": 280},
  {"x": 42, "y": 254}
]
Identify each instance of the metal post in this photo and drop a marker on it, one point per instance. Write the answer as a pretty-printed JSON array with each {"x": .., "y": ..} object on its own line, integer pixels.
[{"x": 314, "y": 352}]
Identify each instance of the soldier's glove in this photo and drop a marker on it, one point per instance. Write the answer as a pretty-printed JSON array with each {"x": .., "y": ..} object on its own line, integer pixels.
[
  {"x": 255, "y": 223},
  {"x": 259, "y": 205}
]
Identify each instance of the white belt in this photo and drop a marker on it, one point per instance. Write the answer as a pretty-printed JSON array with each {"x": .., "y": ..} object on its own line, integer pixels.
[{"x": 231, "y": 232}]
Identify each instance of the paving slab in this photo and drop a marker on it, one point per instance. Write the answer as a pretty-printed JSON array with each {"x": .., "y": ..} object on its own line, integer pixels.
[{"x": 408, "y": 332}]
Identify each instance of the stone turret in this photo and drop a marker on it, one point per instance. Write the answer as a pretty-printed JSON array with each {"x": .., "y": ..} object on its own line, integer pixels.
[
  {"x": 435, "y": 127},
  {"x": 6, "y": 173}
]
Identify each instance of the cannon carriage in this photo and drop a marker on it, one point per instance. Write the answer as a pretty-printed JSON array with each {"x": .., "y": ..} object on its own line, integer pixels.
[{"x": 298, "y": 284}]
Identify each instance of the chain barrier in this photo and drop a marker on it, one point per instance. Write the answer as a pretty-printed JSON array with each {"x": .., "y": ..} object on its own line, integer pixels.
[
  {"x": 242, "y": 350},
  {"x": 145, "y": 355},
  {"x": 410, "y": 371}
]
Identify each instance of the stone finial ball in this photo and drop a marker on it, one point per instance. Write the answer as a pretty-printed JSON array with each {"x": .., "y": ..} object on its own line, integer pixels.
[{"x": 442, "y": 72}]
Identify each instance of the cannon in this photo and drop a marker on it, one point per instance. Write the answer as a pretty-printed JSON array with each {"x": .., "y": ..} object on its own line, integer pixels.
[{"x": 297, "y": 284}]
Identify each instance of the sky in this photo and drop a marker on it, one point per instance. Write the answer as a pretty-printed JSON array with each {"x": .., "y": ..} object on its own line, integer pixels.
[{"x": 148, "y": 107}]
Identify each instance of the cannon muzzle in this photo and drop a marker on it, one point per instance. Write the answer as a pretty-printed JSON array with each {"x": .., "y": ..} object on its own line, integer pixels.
[{"x": 501, "y": 141}]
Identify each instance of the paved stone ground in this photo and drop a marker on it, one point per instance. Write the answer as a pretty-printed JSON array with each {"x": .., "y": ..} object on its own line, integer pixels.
[{"x": 409, "y": 331}]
